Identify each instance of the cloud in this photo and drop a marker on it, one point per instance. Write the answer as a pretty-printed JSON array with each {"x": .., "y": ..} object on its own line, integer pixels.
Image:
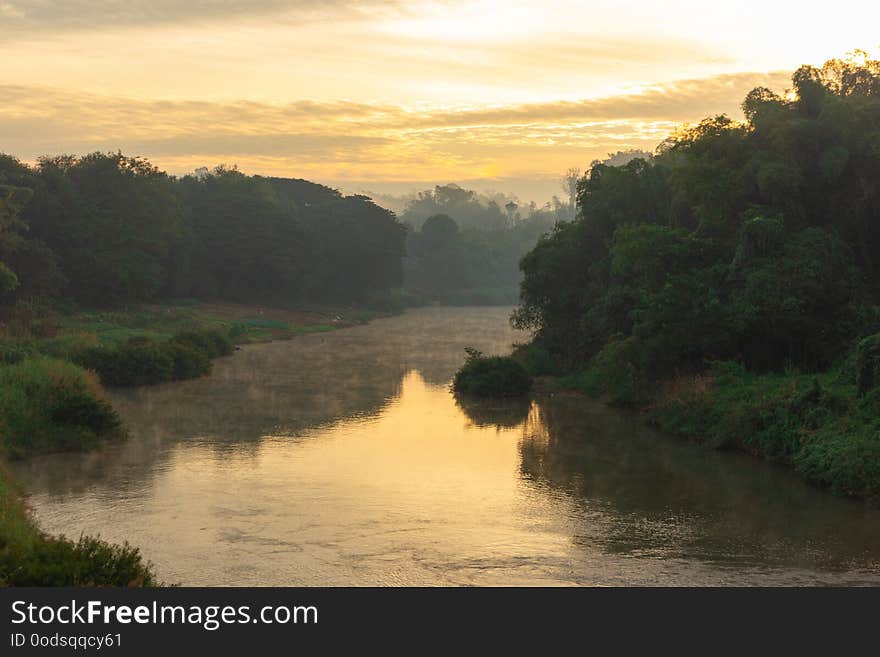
[
  {"x": 43, "y": 15},
  {"x": 360, "y": 141}
]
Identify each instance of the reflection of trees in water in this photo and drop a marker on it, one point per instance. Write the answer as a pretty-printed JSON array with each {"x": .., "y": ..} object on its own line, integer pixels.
[
  {"x": 503, "y": 413},
  {"x": 277, "y": 389},
  {"x": 669, "y": 498}
]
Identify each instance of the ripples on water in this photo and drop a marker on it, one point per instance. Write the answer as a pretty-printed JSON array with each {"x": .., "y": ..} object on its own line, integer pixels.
[{"x": 342, "y": 459}]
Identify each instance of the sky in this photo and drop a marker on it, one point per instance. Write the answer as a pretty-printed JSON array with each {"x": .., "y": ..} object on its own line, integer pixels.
[{"x": 395, "y": 96}]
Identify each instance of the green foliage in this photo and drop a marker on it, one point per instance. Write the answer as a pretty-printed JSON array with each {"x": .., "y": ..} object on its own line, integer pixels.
[
  {"x": 115, "y": 223},
  {"x": 8, "y": 279},
  {"x": 491, "y": 376},
  {"x": 753, "y": 242},
  {"x": 48, "y": 404},
  {"x": 618, "y": 371},
  {"x": 86, "y": 562},
  {"x": 135, "y": 363},
  {"x": 817, "y": 424},
  {"x": 143, "y": 361},
  {"x": 15, "y": 351},
  {"x": 188, "y": 361},
  {"x": 111, "y": 230},
  {"x": 868, "y": 363},
  {"x": 212, "y": 342},
  {"x": 30, "y": 558},
  {"x": 536, "y": 359}
]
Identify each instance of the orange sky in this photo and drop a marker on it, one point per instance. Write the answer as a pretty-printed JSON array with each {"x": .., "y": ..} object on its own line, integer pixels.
[{"x": 394, "y": 95}]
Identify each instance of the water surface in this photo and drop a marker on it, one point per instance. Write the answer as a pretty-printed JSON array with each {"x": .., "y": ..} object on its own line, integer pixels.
[{"x": 342, "y": 459}]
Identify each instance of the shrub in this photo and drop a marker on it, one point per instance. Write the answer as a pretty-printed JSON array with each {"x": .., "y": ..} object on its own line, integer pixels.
[
  {"x": 30, "y": 558},
  {"x": 619, "y": 370},
  {"x": 491, "y": 376},
  {"x": 847, "y": 462},
  {"x": 868, "y": 363},
  {"x": 15, "y": 351},
  {"x": 141, "y": 361},
  {"x": 86, "y": 562},
  {"x": 536, "y": 359},
  {"x": 134, "y": 363},
  {"x": 212, "y": 342},
  {"x": 238, "y": 331},
  {"x": 189, "y": 362},
  {"x": 48, "y": 404}
]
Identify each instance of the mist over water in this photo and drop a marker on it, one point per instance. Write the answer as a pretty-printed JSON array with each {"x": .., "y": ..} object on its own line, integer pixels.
[{"x": 342, "y": 459}]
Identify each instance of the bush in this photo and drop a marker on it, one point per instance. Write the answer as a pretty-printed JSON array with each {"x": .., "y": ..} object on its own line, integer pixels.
[
  {"x": 30, "y": 558},
  {"x": 491, "y": 376},
  {"x": 868, "y": 363},
  {"x": 15, "y": 351},
  {"x": 48, "y": 404},
  {"x": 86, "y": 562},
  {"x": 134, "y": 363},
  {"x": 213, "y": 342},
  {"x": 619, "y": 371},
  {"x": 141, "y": 361},
  {"x": 848, "y": 463},
  {"x": 189, "y": 362},
  {"x": 537, "y": 359}
]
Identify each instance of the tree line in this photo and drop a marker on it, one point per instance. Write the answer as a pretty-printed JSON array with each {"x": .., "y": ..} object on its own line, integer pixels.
[
  {"x": 462, "y": 246},
  {"x": 107, "y": 229},
  {"x": 753, "y": 240}
]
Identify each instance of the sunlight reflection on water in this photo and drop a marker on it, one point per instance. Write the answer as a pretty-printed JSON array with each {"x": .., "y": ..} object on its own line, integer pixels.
[{"x": 342, "y": 459}]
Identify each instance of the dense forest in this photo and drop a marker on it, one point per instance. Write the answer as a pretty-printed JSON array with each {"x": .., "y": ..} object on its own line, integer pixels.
[
  {"x": 109, "y": 230},
  {"x": 106, "y": 229},
  {"x": 731, "y": 283},
  {"x": 755, "y": 240}
]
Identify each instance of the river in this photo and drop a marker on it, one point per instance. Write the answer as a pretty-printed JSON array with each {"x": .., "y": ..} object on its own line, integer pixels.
[{"x": 342, "y": 459}]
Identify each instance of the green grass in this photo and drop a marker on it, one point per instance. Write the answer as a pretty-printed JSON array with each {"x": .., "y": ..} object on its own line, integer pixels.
[
  {"x": 48, "y": 404},
  {"x": 316, "y": 328},
  {"x": 817, "y": 424},
  {"x": 259, "y": 322},
  {"x": 826, "y": 426}
]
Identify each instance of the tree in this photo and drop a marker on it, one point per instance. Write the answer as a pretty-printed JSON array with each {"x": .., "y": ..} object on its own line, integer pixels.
[
  {"x": 569, "y": 184},
  {"x": 749, "y": 240}
]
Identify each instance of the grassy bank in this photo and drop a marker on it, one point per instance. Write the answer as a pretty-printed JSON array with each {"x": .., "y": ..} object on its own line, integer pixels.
[
  {"x": 48, "y": 405},
  {"x": 57, "y": 330},
  {"x": 818, "y": 424},
  {"x": 826, "y": 426},
  {"x": 52, "y": 367},
  {"x": 29, "y": 557},
  {"x": 152, "y": 344}
]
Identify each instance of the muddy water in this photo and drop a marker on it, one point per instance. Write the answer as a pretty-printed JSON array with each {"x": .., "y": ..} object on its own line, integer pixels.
[{"x": 342, "y": 459}]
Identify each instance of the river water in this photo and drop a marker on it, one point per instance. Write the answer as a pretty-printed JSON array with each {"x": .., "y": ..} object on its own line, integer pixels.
[{"x": 342, "y": 459}]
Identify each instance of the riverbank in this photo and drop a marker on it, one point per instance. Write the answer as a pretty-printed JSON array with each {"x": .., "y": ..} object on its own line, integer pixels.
[
  {"x": 49, "y": 403},
  {"x": 219, "y": 488},
  {"x": 817, "y": 424}
]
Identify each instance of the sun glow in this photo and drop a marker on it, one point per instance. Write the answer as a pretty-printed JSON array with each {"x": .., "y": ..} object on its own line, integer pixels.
[{"x": 422, "y": 90}]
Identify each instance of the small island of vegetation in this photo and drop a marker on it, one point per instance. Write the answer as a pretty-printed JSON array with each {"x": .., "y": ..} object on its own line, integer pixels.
[{"x": 491, "y": 376}]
